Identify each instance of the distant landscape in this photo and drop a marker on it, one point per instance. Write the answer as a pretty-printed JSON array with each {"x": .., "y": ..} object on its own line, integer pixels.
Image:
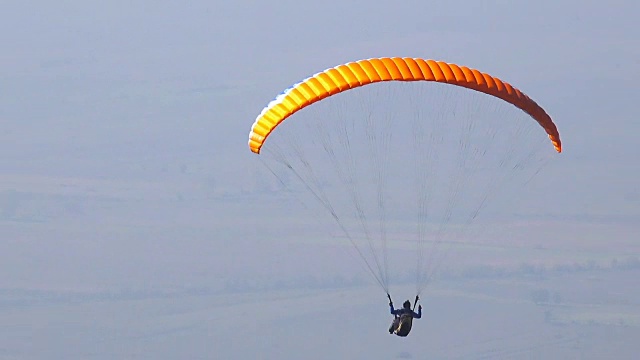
[{"x": 121, "y": 280}]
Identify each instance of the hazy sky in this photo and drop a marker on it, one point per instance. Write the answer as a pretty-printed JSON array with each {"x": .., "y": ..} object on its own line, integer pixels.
[{"x": 124, "y": 163}]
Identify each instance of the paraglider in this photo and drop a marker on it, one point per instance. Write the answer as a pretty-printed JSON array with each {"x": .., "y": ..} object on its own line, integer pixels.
[
  {"x": 403, "y": 317},
  {"x": 358, "y": 153}
]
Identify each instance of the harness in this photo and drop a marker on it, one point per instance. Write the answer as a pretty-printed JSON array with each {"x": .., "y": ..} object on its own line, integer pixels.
[{"x": 404, "y": 325}]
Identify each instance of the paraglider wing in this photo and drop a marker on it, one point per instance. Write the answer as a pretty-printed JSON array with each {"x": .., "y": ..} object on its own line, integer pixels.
[{"x": 355, "y": 74}]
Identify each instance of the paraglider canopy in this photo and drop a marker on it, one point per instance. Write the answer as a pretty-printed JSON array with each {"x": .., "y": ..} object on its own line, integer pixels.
[{"x": 355, "y": 74}]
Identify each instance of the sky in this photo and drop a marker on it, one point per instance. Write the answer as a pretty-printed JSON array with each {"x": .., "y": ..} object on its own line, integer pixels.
[{"x": 132, "y": 218}]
